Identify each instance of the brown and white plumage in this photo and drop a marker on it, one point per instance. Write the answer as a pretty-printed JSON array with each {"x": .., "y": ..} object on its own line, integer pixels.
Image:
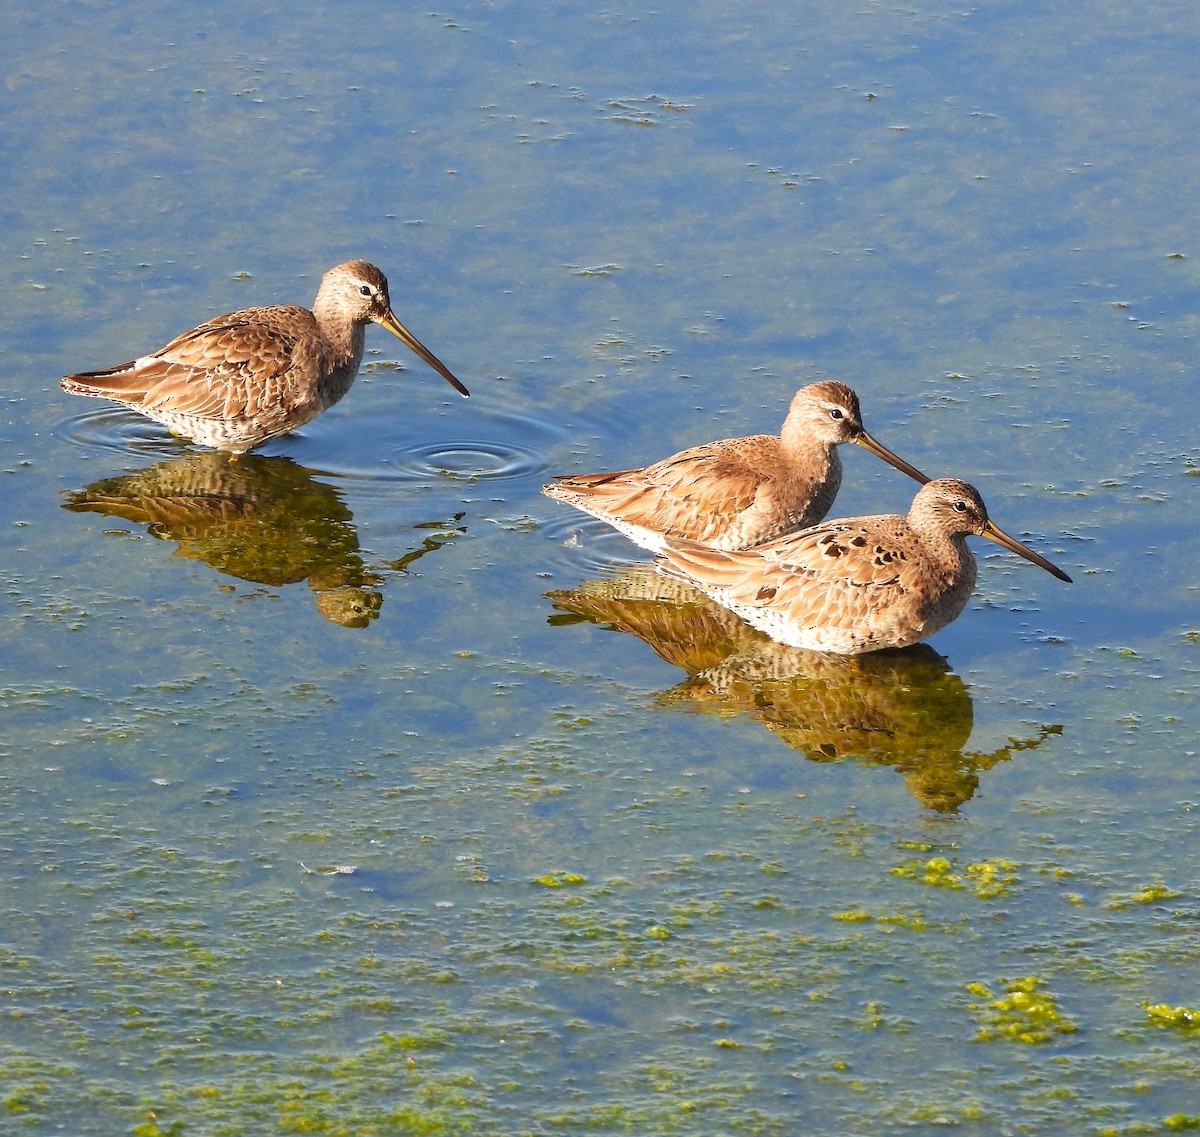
[
  {"x": 240, "y": 379},
  {"x": 736, "y": 492},
  {"x": 859, "y": 584}
]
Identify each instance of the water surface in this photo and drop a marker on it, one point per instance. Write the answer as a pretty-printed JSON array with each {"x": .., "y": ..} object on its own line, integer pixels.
[{"x": 346, "y": 793}]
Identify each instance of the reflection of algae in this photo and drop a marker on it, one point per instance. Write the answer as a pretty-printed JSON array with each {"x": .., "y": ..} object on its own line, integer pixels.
[
  {"x": 904, "y": 708},
  {"x": 260, "y": 519}
]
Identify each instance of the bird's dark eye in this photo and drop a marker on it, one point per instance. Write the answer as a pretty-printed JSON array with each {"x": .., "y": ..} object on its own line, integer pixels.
[
  {"x": 364, "y": 290},
  {"x": 960, "y": 506},
  {"x": 837, "y": 414}
]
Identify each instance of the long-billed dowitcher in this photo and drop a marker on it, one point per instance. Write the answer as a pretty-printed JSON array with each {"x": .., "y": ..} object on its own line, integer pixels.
[
  {"x": 740, "y": 491},
  {"x": 859, "y": 584},
  {"x": 239, "y": 379}
]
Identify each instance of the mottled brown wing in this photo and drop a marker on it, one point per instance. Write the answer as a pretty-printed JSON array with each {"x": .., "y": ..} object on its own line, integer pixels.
[
  {"x": 227, "y": 365},
  {"x": 836, "y": 572},
  {"x": 697, "y": 492},
  {"x": 213, "y": 371}
]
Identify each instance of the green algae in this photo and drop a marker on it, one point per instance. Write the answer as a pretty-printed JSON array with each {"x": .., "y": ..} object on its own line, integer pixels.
[
  {"x": 152, "y": 1128},
  {"x": 1178, "y": 1018},
  {"x": 1149, "y": 894},
  {"x": 1027, "y": 1013},
  {"x": 560, "y": 878},
  {"x": 987, "y": 880},
  {"x": 27, "y": 1098}
]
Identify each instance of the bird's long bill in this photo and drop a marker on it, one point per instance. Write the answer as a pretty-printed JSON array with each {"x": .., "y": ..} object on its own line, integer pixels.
[
  {"x": 411, "y": 342},
  {"x": 880, "y": 451},
  {"x": 994, "y": 533}
]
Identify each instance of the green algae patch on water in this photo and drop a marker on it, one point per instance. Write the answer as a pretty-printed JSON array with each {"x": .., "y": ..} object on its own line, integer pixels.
[
  {"x": 1027, "y": 1013},
  {"x": 1149, "y": 894},
  {"x": 152, "y": 1128},
  {"x": 913, "y": 921},
  {"x": 560, "y": 879},
  {"x": 28, "y": 1099},
  {"x": 1179, "y": 1018},
  {"x": 392, "y": 1084},
  {"x": 986, "y": 879},
  {"x": 1179, "y": 1122}
]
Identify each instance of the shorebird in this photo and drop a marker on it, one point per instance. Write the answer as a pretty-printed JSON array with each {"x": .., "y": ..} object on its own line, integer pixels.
[
  {"x": 240, "y": 379},
  {"x": 737, "y": 492},
  {"x": 859, "y": 584}
]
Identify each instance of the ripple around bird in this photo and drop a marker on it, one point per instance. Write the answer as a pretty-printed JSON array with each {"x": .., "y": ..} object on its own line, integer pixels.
[
  {"x": 425, "y": 448},
  {"x": 582, "y": 545},
  {"x": 106, "y": 428},
  {"x": 460, "y": 444}
]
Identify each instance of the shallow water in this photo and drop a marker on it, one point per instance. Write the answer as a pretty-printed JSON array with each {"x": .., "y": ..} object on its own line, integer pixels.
[{"x": 361, "y": 789}]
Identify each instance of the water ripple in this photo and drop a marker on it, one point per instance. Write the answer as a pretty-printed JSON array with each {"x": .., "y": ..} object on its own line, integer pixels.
[
  {"x": 437, "y": 445},
  {"x": 583, "y": 545},
  {"x": 109, "y": 428},
  {"x": 483, "y": 445},
  {"x": 464, "y": 460}
]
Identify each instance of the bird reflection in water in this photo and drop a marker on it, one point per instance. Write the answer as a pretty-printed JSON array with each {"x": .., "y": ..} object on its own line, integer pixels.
[
  {"x": 261, "y": 519},
  {"x": 902, "y": 708}
]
